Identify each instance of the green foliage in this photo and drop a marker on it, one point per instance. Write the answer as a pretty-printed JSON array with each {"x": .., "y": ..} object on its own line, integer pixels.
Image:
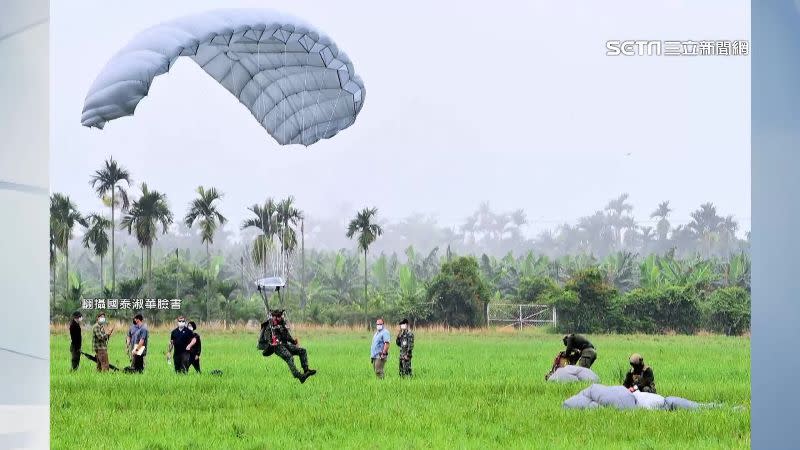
[
  {"x": 459, "y": 294},
  {"x": 728, "y": 310},
  {"x": 660, "y": 309},
  {"x": 536, "y": 289},
  {"x": 585, "y": 303}
]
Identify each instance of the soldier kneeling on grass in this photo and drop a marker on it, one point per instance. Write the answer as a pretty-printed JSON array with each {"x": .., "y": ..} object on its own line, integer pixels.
[
  {"x": 640, "y": 377},
  {"x": 579, "y": 350},
  {"x": 275, "y": 338}
]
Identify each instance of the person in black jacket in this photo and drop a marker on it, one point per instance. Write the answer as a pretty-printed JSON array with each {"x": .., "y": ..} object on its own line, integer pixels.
[
  {"x": 195, "y": 347},
  {"x": 75, "y": 338}
]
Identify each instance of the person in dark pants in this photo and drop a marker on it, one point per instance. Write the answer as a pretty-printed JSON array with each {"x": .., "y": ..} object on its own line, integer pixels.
[
  {"x": 75, "y": 338},
  {"x": 194, "y": 347},
  {"x": 139, "y": 336},
  {"x": 178, "y": 341},
  {"x": 285, "y": 346},
  {"x": 579, "y": 350}
]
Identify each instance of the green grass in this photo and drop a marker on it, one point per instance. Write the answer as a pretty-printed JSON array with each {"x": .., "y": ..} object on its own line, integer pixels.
[{"x": 471, "y": 390}]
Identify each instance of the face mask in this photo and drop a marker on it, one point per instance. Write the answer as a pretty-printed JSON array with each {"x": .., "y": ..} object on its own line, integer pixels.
[
  {"x": 80, "y": 319},
  {"x": 403, "y": 326},
  {"x": 379, "y": 327},
  {"x": 191, "y": 328},
  {"x": 181, "y": 324},
  {"x": 102, "y": 320}
]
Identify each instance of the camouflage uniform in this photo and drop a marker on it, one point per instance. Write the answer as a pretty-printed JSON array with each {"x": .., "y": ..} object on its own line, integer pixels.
[
  {"x": 578, "y": 345},
  {"x": 281, "y": 343},
  {"x": 644, "y": 380},
  {"x": 405, "y": 340},
  {"x": 640, "y": 375}
]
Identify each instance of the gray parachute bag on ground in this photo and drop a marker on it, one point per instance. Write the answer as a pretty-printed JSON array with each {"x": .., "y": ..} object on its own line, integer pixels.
[
  {"x": 568, "y": 374},
  {"x": 619, "y": 397},
  {"x": 599, "y": 395}
]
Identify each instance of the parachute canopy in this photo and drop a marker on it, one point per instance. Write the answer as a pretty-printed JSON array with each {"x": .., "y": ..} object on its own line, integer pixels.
[{"x": 294, "y": 80}]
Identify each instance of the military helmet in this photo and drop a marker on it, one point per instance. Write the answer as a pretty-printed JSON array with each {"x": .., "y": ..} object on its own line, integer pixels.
[{"x": 636, "y": 359}]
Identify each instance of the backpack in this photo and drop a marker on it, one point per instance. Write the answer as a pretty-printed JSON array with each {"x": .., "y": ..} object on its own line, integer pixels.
[{"x": 265, "y": 338}]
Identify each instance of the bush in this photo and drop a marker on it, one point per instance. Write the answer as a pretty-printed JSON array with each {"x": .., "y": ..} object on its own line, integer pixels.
[
  {"x": 728, "y": 310},
  {"x": 658, "y": 310},
  {"x": 535, "y": 290},
  {"x": 586, "y": 303},
  {"x": 459, "y": 294}
]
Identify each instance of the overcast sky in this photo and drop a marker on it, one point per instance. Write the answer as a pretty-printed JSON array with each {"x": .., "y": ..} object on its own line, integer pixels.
[{"x": 510, "y": 102}]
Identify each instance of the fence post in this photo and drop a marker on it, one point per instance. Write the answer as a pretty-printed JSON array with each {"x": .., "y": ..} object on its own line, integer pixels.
[
  {"x": 520, "y": 317},
  {"x": 555, "y": 317}
]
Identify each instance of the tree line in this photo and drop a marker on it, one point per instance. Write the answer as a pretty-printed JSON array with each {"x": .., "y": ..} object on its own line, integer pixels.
[{"x": 448, "y": 282}]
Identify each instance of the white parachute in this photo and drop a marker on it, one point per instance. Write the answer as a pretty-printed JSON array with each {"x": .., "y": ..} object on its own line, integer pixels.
[{"x": 294, "y": 79}]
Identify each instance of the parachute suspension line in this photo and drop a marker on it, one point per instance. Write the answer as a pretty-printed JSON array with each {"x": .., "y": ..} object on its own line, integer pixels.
[
  {"x": 285, "y": 93},
  {"x": 303, "y": 110},
  {"x": 333, "y": 110}
]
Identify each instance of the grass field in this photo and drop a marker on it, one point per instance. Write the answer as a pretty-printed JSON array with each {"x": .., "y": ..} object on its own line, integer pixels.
[{"x": 477, "y": 389}]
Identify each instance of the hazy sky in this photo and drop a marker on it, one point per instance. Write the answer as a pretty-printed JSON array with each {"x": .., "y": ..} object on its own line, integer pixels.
[{"x": 510, "y": 102}]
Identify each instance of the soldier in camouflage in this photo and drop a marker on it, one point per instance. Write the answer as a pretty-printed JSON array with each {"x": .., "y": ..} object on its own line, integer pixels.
[
  {"x": 405, "y": 340},
  {"x": 275, "y": 338},
  {"x": 640, "y": 377},
  {"x": 579, "y": 350}
]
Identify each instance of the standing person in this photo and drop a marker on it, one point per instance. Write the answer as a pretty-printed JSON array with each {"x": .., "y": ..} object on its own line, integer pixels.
[
  {"x": 579, "y": 349},
  {"x": 129, "y": 341},
  {"x": 194, "y": 347},
  {"x": 281, "y": 343},
  {"x": 178, "y": 341},
  {"x": 139, "y": 343},
  {"x": 75, "y": 338},
  {"x": 380, "y": 348},
  {"x": 405, "y": 340},
  {"x": 640, "y": 377},
  {"x": 100, "y": 338}
]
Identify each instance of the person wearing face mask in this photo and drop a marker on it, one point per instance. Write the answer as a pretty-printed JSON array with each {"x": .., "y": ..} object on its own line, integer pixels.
[
  {"x": 75, "y": 339},
  {"x": 380, "y": 348},
  {"x": 138, "y": 343},
  {"x": 405, "y": 340},
  {"x": 640, "y": 377},
  {"x": 100, "y": 338},
  {"x": 178, "y": 341},
  {"x": 194, "y": 347},
  {"x": 284, "y": 345}
]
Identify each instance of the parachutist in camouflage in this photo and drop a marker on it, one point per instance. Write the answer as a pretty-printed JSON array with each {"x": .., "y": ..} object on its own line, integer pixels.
[
  {"x": 405, "y": 340},
  {"x": 579, "y": 350},
  {"x": 275, "y": 338},
  {"x": 640, "y": 377}
]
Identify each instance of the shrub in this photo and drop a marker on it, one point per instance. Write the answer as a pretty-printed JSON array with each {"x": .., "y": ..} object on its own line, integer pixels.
[
  {"x": 728, "y": 310},
  {"x": 657, "y": 310}
]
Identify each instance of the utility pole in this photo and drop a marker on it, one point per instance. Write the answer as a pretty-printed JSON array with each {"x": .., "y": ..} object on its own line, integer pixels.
[{"x": 177, "y": 274}]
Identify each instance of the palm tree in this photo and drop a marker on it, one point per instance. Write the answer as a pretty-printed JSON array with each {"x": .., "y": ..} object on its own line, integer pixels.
[
  {"x": 64, "y": 216},
  {"x": 706, "y": 226},
  {"x": 662, "y": 227},
  {"x": 266, "y": 221},
  {"x": 204, "y": 210},
  {"x": 288, "y": 216},
  {"x": 368, "y": 232},
  {"x": 144, "y": 217},
  {"x": 108, "y": 179},
  {"x": 96, "y": 238}
]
